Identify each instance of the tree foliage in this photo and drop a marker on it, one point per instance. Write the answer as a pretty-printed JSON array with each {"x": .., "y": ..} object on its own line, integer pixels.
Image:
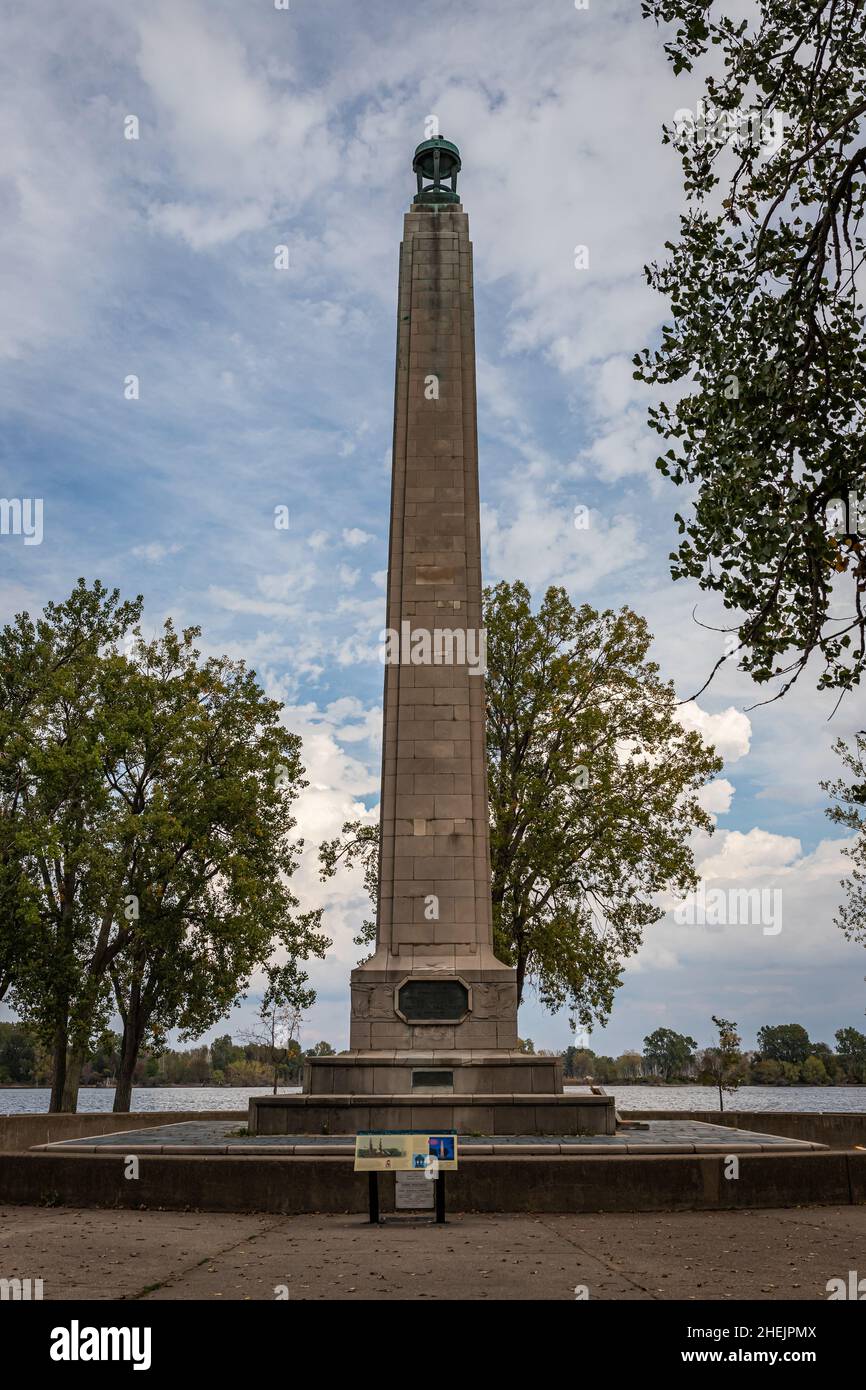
[
  {"x": 766, "y": 350},
  {"x": 668, "y": 1053},
  {"x": 593, "y": 793},
  {"x": 145, "y": 834},
  {"x": 784, "y": 1042},
  {"x": 593, "y": 787},
  {"x": 724, "y": 1064},
  {"x": 849, "y": 809}
]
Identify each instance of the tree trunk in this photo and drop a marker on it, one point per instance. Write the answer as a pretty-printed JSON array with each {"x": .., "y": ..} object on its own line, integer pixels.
[
  {"x": 521, "y": 975},
  {"x": 125, "y": 1073},
  {"x": 58, "y": 1070},
  {"x": 721, "y": 1098},
  {"x": 134, "y": 1024},
  {"x": 74, "y": 1062}
]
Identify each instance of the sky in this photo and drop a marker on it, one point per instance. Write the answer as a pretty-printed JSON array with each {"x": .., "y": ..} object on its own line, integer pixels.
[{"x": 260, "y": 387}]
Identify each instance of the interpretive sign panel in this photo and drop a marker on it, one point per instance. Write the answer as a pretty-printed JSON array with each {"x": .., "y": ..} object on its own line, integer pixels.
[{"x": 388, "y": 1151}]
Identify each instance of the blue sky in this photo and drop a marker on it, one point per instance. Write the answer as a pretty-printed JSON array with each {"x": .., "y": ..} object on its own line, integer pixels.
[{"x": 262, "y": 387}]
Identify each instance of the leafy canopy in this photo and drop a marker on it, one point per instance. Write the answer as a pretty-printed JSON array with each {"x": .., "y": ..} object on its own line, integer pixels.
[{"x": 765, "y": 350}]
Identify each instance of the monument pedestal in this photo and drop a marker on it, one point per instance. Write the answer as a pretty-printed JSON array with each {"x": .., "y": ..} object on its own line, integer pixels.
[{"x": 470, "y": 1111}]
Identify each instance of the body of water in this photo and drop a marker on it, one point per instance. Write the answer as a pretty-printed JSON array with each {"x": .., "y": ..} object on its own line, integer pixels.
[
  {"x": 32, "y": 1101},
  {"x": 811, "y": 1098},
  {"x": 97, "y": 1099}
]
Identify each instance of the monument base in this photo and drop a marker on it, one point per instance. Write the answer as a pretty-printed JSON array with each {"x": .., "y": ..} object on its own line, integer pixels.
[
  {"x": 500, "y": 1093},
  {"x": 456, "y": 1071}
]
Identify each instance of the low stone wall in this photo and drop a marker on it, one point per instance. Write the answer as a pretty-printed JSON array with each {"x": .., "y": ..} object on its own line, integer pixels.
[
  {"x": 836, "y": 1129},
  {"x": 20, "y": 1132},
  {"x": 489, "y": 1184}
]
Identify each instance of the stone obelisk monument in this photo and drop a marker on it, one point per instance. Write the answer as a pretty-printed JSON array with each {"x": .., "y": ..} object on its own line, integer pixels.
[
  {"x": 434, "y": 982},
  {"x": 434, "y": 1014}
]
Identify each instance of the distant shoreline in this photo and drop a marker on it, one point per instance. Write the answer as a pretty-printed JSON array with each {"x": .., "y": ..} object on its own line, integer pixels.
[
  {"x": 155, "y": 1086},
  {"x": 651, "y": 1085}
]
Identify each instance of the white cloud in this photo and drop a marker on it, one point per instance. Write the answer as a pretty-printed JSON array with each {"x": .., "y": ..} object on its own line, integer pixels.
[
  {"x": 729, "y": 731},
  {"x": 155, "y": 551},
  {"x": 354, "y": 536}
]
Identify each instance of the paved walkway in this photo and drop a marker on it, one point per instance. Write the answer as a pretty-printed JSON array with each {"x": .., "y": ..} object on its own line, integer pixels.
[
  {"x": 222, "y": 1137},
  {"x": 765, "y": 1255}
]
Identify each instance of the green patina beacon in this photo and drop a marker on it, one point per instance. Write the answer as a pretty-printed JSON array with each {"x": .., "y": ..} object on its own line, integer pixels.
[{"x": 438, "y": 161}]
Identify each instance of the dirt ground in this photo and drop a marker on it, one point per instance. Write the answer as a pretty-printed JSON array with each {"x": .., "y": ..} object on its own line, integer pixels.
[{"x": 113, "y": 1254}]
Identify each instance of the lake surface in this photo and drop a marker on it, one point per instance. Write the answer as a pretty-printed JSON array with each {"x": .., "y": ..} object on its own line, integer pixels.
[{"x": 757, "y": 1098}]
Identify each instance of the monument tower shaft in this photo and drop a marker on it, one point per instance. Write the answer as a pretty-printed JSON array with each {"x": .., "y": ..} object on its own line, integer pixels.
[
  {"x": 434, "y": 789},
  {"x": 434, "y": 919}
]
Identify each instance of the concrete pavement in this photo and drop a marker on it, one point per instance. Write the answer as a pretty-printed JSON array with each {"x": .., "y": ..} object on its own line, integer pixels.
[{"x": 717, "y": 1255}]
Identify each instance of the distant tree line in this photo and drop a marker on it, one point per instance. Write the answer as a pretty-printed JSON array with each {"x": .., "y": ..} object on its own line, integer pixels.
[
  {"x": 24, "y": 1061},
  {"x": 785, "y": 1056}
]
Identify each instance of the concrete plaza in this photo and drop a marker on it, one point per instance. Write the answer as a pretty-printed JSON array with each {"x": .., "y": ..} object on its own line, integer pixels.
[{"x": 716, "y": 1255}]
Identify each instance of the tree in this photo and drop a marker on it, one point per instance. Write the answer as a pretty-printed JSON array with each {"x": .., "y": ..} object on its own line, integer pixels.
[
  {"x": 321, "y": 1049},
  {"x": 210, "y": 775},
  {"x": 604, "y": 1070},
  {"x": 578, "y": 1061},
  {"x": 668, "y": 1052},
  {"x": 593, "y": 796},
  {"x": 17, "y": 1054},
  {"x": 56, "y": 813},
  {"x": 813, "y": 1072},
  {"x": 223, "y": 1051},
  {"x": 150, "y": 832},
  {"x": 629, "y": 1067},
  {"x": 766, "y": 1072},
  {"x": 248, "y": 1073},
  {"x": 724, "y": 1063},
  {"x": 593, "y": 793},
  {"x": 850, "y": 811},
  {"x": 851, "y": 1051},
  {"x": 279, "y": 1019},
  {"x": 787, "y": 1042},
  {"x": 357, "y": 843},
  {"x": 766, "y": 348}
]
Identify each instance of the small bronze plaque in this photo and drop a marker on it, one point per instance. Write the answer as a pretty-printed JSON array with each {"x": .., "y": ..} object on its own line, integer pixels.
[
  {"x": 432, "y": 1080},
  {"x": 426, "y": 1001}
]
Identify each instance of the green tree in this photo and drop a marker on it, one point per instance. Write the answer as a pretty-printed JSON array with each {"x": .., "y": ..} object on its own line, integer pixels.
[
  {"x": 17, "y": 1055},
  {"x": 786, "y": 1042},
  {"x": 279, "y": 1019},
  {"x": 813, "y": 1072},
  {"x": 766, "y": 347},
  {"x": 223, "y": 1051},
  {"x": 669, "y": 1053},
  {"x": 248, "y": 1073},
  {"x": 321, "y": 1049},
  {"x": 150, "y": 809},
  {"x": 604, "y": 1070},
  {"x": 210, "y": 776},
  {"x": 766, "y": 1072},
  {"x": 629, "y": 1067},
  {"x": 724, "y": 1064},
  {"x": 55, "y": 871},
  {"x": 357, "y": 843},
  {"x": 849, "y": 796},
  {"x": 593, "y": 793},
  {"x": 851, "y": 1051},
  {"x": 593, "y": 796},
  {"x": 578, "y": 1062}
]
